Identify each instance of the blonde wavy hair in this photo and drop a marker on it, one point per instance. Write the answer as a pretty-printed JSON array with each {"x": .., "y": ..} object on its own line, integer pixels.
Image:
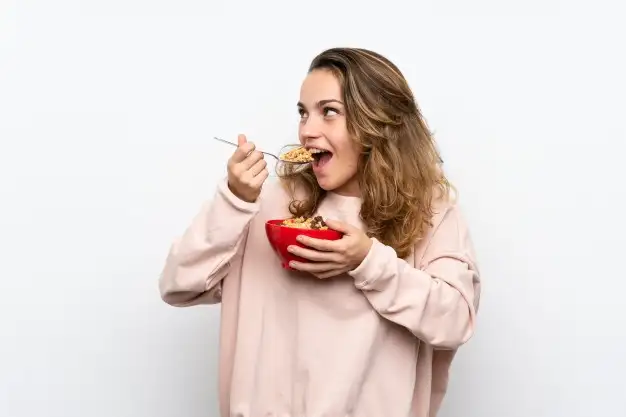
[{"x": 399, "y": 169}]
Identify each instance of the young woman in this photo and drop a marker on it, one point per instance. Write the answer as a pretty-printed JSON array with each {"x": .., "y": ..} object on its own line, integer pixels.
[{"x": 370, "y": 325}]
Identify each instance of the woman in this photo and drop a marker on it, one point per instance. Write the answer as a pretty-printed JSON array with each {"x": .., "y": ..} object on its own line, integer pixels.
[{"x": 370, "y": 325}]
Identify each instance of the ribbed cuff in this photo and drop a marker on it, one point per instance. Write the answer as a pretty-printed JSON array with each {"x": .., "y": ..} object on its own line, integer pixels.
[{"x": 235, "y": 201}]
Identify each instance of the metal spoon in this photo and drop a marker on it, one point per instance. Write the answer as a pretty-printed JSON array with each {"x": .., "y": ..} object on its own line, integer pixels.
[{"x": 266, "y": 153}]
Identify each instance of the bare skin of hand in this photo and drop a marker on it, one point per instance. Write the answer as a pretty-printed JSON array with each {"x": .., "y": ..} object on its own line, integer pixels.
[
  {"x": 247, "y": 171},
  {"x": 330, "y": 258}
]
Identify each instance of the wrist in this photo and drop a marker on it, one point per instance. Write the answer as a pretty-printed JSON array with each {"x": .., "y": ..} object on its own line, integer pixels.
[
  {"x": 366, "y": 250},
  {"x": 239, "y": 195}
]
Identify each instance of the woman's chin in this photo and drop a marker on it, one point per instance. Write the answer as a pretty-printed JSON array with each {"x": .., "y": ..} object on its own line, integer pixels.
[
  {"x": 329, "y": 186},
  {"x": 349, "y": 188},
  {"x": 337, "y": 183},
  {"x": 324, "y": 185}
]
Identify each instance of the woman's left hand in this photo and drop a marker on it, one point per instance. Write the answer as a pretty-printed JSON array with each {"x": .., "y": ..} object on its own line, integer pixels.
[{"x": 330, "y": 258}]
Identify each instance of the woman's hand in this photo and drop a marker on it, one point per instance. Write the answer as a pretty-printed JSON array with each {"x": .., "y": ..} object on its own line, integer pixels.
[
  {"x": 247, "y": 171},
  {"x": 330, "y": 258}
]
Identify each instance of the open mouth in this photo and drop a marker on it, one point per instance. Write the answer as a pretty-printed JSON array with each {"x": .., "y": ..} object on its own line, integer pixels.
[{"x": 320, "y": 156}]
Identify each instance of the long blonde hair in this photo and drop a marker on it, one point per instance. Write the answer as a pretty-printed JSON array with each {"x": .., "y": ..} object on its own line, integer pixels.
[{"x": 399, "y": 171}]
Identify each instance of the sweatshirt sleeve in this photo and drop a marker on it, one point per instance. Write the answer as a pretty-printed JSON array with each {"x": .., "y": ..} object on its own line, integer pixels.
[
  {"x": 438, "y": 301},
  {"x": 201, "y": 257}
]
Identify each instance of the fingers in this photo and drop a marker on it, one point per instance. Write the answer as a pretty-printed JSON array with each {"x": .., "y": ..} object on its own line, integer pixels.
[
  {"x": 320, "y": 244},
  {"x": 251, "y": 159},
  {"x": 258, "y": 167},
  {"x": 320, "y": 270},
  {"x": 243, "y": 151},
  {"x": 315, "y": 268},
  {"x": 250, "y": 168},
  {"x": 247, "y": 170},
  {"x": 331, "y": 273},
  {"x": 313, "y": 255},
  {"x": 258, "y": 180},
  {"x": 251, "y": 178}
]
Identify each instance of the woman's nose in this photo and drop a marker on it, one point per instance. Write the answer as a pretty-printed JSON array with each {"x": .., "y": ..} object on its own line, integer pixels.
[{"x": 311, "y": 127}]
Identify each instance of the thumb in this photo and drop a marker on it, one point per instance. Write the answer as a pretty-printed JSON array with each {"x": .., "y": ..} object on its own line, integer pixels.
[
  {"x": 340, "y": 226},
  {"x": 241, "y": 140}
]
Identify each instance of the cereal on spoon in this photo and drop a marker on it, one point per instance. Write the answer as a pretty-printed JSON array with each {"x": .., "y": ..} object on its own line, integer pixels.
[{"x": 297, "y": 155}]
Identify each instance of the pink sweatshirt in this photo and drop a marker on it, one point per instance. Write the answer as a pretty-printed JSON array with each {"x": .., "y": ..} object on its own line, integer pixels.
[{"x": 376, "y": 342}]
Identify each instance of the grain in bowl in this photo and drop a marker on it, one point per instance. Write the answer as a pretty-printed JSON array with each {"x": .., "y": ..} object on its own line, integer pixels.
[{"x": 312, "y": 223}]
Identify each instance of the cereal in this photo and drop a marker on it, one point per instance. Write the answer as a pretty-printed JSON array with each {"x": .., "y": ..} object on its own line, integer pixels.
[
  {"x": 298, "y": 155},
  {"x": 313, "y": 223}
]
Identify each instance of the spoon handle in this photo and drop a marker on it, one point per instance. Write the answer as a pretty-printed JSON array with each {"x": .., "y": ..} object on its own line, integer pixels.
[{"x": 234, "y": 144}]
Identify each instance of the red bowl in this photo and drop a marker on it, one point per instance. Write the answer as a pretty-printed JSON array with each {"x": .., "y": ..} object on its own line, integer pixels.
[{"x": 281, "y": 237}]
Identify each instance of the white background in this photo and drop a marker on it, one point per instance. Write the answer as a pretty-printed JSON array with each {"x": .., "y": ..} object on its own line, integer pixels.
[{"x": 106, "y": 113}]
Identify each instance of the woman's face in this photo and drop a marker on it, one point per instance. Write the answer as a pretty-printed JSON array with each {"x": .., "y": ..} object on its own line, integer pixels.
[{"x": 323, "y": 131}]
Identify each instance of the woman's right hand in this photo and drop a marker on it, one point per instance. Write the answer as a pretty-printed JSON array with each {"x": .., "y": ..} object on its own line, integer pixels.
[{"x": 247, "y": 171}]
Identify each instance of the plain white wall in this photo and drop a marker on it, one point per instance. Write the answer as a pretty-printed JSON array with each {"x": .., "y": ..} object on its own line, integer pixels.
[{"x": 106, "y": 113}]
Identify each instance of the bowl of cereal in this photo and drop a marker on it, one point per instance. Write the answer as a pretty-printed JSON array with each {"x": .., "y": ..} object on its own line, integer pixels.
[{"x": 283, "y": 233}]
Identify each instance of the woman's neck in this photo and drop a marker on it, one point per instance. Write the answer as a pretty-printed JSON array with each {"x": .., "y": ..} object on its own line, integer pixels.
[{"x": 349, "y": 189}]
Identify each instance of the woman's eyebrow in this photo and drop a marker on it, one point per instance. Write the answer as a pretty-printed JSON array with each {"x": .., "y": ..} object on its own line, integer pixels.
[{"x": 321, "y": 102}]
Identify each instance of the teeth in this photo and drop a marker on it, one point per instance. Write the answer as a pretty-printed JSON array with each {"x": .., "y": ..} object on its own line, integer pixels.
[{"x": 315, "y": 150}]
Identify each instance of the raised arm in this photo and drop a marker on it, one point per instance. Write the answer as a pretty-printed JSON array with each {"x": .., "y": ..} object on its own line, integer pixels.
[
  {"x": 201, "y": 257},
  {"x": 437, "y": 302}
]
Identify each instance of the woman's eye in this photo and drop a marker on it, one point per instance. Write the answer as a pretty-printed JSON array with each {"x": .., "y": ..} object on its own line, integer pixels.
[
  {"x": 329, "y": 111},
  {"x": 301, "y": 112}
]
